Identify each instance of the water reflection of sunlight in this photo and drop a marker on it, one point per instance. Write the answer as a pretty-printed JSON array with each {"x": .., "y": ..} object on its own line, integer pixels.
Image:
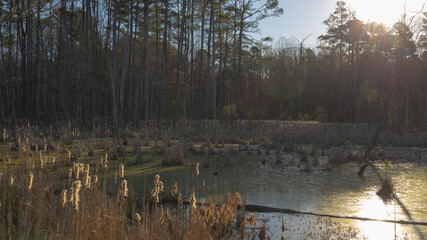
[{"x": 374, "y": 207}]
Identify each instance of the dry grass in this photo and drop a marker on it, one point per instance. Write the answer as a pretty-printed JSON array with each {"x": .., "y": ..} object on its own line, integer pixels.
[
  {"x": 38, "y": 201},
  {"x": 101, "y": 211},
  {"x": 54, "y": 182}
]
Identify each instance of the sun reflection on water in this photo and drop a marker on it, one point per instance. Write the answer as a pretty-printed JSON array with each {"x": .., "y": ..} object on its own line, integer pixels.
[{"x": 373, "y": 207}]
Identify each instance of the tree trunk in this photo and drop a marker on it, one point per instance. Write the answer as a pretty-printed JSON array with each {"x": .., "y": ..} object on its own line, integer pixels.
[
  {"x": 192, "y": 59},
  {"x": 11, "y": 66},
  {"x": 178, "y": 54},
  {"x": 95, "y": 43},
  {"x": 213, "y": 62},
  {"x": 220, "y": 64},
  {"x": 239, "y": 66},
  {"x": 122, "y": 80},
  {"x": 113, "y": 68},
  {"x": 28, "y": 62},
  {"x": 202, "y": 41},
  {"x": 145, "y": 53},
  {"x": 165, "y": 45},
  {"x": 84, "y": 107},
  {"x": 184, "y": 56},
  {"x": 245, "y": 102},
  {"x": 208, "y": 66},
  {"x": 131, "y": 61},
  {"x": 4, "y": 74},
  {"x": 157, "y": 68},
  {"x": 38, "y": 39}
]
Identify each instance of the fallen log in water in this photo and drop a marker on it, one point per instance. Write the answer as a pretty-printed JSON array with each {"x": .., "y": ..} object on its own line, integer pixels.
[{"x": 266, "y": 209}]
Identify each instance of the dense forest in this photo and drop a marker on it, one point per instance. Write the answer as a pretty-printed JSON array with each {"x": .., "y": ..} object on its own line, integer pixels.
[{"x": 131, "y": 60}]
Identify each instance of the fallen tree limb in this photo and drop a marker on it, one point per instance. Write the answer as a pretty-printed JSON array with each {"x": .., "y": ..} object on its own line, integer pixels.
[{"x": 266, "y": 209}]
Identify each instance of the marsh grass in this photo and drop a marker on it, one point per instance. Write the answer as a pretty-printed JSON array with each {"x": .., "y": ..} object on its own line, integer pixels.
[
  {"x": 48, "y": 207},
  {"x": 173, "y": 156},
  {"x": 32, "y": 208}
]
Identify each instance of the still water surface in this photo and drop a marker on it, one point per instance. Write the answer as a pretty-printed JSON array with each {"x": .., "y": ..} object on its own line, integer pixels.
[{"x": 338, "y": 191}]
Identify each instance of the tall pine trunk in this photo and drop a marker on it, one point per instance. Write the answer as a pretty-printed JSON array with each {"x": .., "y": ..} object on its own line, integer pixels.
[
  {"x": 28, "y": 62},
  {"x": 145, "y": 53},
  {"x": 239, "y": 66},
  {"x": 113, "y": 68},
  {"x": 213, "y": 61}
]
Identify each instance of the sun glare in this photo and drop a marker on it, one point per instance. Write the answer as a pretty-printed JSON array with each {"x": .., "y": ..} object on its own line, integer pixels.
[
  {"x": 376, "y": 209},
  {"x": 384, "y": 11}
]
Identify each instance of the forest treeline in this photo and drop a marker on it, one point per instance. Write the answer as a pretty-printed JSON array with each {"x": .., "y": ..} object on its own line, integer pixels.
[{"x": 131, "y": 60}]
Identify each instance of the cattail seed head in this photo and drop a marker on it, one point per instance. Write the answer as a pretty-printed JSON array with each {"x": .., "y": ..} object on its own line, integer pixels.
[
  {"x": 161, "y": 186},
  {"x": 197, "y": 169},
  {"x": 122, "y": 170},
  {"x": 193, "y": 200},
  {"x": 137, "y": 217},
  {"x": 156, "y": 179},
  {"x": 11, "y": 180},
  {"x": 70, "y": 173},
  {"x": 158, "y": 187},
  {"x": 30, "y": 180},
  {"x": 154, "y": 192},
  {"x": 71, "y": 195},
  {"x": 63, "y": 197},
  {"x": 42, "y": 161},
  {"x": 76, "y": 198},
  {"x": 76, "y": 170},
  {"x": 106, "y": 162},
  {"x": 95, "y": 179},
  {"x": 125, "y": 188},
  {"x": 86, "y": 179}
]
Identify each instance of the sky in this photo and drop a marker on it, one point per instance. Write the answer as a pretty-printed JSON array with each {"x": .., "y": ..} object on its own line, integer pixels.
[{"x": 304, "y": 17}]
